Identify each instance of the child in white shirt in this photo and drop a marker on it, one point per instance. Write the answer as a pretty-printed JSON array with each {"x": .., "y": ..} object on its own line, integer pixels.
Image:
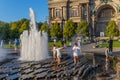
[
  {"x": 76, "y": 50},
  {"x": 58, "y": 54}
]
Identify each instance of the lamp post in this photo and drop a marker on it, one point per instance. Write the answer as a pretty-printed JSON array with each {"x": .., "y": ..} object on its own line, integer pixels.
[
  {"x": 93, "y": 25},
  {"x": 63, "y": 24}
]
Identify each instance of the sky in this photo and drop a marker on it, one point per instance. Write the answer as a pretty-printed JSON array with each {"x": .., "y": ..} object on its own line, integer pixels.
[{"x": 14, "y": 10}]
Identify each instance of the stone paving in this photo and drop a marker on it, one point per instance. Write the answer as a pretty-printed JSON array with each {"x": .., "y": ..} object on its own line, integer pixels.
[{"x": 48, "y": 69}]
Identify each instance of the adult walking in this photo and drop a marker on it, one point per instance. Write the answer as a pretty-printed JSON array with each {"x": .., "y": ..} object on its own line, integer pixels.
[
  {"x": 110, "y": 45},
  {"x": 2, "y": 43},
  {"x": 76, "y": 51},
  {"x": 64, "y": 42},
  {"x": 16, "y": 43}
]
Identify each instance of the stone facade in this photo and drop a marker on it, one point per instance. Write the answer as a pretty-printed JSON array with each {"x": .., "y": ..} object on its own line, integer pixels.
[{"x": 96, "y": 12}]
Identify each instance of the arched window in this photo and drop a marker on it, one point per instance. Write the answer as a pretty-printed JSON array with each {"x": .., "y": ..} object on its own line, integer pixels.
[{"x": 107, "y": 12}]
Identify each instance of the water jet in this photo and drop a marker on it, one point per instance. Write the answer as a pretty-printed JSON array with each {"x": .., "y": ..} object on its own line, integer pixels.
[{"x": 34, "y": 46}]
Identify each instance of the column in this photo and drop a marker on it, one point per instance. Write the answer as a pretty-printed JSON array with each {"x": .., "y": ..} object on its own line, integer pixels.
[
  {"x": 61, "y": 12},
  {"x": 77, "y": 11},
  {"x": 64, "y": 13},
  {"x": 54, "y": 13},
  {"x": 50, "y": 13},
  {"x": 87, "y": 13},
  {"x": 80, "y": 11}
]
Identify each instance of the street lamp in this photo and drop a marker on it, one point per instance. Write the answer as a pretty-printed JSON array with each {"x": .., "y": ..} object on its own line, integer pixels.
[
  {"x": 93, "y": 25},
  {"x": 63, "y": 24}
]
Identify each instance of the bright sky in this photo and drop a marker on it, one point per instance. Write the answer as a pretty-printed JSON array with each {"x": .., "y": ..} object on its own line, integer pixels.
[{"x": 14, "y": 10}]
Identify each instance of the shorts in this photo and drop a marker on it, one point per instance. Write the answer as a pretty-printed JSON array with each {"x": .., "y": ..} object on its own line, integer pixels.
[
  {"x": 75, "y": 54},
  {"x": 59, "y": 56}
]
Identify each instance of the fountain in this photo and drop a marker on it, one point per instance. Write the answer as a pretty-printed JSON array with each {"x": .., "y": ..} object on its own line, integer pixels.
[{"x": 34, "y": 43}]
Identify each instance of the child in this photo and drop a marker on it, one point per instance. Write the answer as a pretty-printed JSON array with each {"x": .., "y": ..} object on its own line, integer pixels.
[
  {"x": 106, "y": 64},
  {"x": 76, "y": 50},
  {"x": 106, "y": 52},
  {"x": 106, "y": 59},
  {"x": 54, "y": 53},
  {"x": 58, "y": 54}
]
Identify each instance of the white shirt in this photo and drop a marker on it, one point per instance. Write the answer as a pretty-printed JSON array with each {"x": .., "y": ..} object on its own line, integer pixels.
[
  {"x": 76, "y": 50},
  {"x": 58, "y": 52},
  {"x": 54, "y": 40}
]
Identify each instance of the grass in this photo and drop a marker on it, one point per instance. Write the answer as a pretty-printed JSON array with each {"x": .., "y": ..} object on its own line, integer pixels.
[
  {"x": 7, "y": 46},
  {"x": 58, "y": 43},
  {"x": 11, "y": 46},
  {"x": 115, "y": 44},
  {"x": 50, "y": 44}
]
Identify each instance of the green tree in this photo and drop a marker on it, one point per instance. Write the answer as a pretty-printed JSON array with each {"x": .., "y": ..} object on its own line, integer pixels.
[
  {"x": 39, "y": 25},
  {"x": 69, "y": 29},
  {"x": 14, "y": 26},
  {"x": 2, "y": 24},
  {"x": 56, "y": 31},
  {"x": 82, "y": 29},
  {"x": 23, "y": 25},
  {"x": 44, "y": 27},
  {"x": 112, "y": 29},
  {"x": 5, "y": 32},
  {"x": 18, "y": 27},
  {"x": 14, "y": 30}
]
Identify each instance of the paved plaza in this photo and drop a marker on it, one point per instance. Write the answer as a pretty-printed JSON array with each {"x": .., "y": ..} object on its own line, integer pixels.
[{"x": 87, "y": 67}]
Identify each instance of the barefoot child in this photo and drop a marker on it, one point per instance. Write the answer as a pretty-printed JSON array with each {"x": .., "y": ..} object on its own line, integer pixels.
[
  {"x": 106, "y": 59},
  {"x": 58, "y": 55},
  {"x": 76, "y": 50}
]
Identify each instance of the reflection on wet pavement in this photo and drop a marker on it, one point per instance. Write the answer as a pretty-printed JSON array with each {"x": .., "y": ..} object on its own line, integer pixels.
[{"x": 48, "y": 69}]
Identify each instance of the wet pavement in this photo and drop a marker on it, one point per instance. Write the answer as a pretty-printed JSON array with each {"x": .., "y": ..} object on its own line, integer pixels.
[
  {"x": 89, "y": 49},
  {"x": 7, "y": 55},
  {"x": 47, "y": 69},
  {"x": 11, "y": 68}
]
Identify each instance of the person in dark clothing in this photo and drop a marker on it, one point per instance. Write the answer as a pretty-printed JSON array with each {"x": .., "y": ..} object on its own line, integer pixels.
[
  {"x": 110, "y": 45},
  {"x": 62, "y": 41}
]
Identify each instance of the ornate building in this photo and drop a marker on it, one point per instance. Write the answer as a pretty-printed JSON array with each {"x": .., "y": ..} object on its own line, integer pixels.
[{"x": 96, "y": 12}]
